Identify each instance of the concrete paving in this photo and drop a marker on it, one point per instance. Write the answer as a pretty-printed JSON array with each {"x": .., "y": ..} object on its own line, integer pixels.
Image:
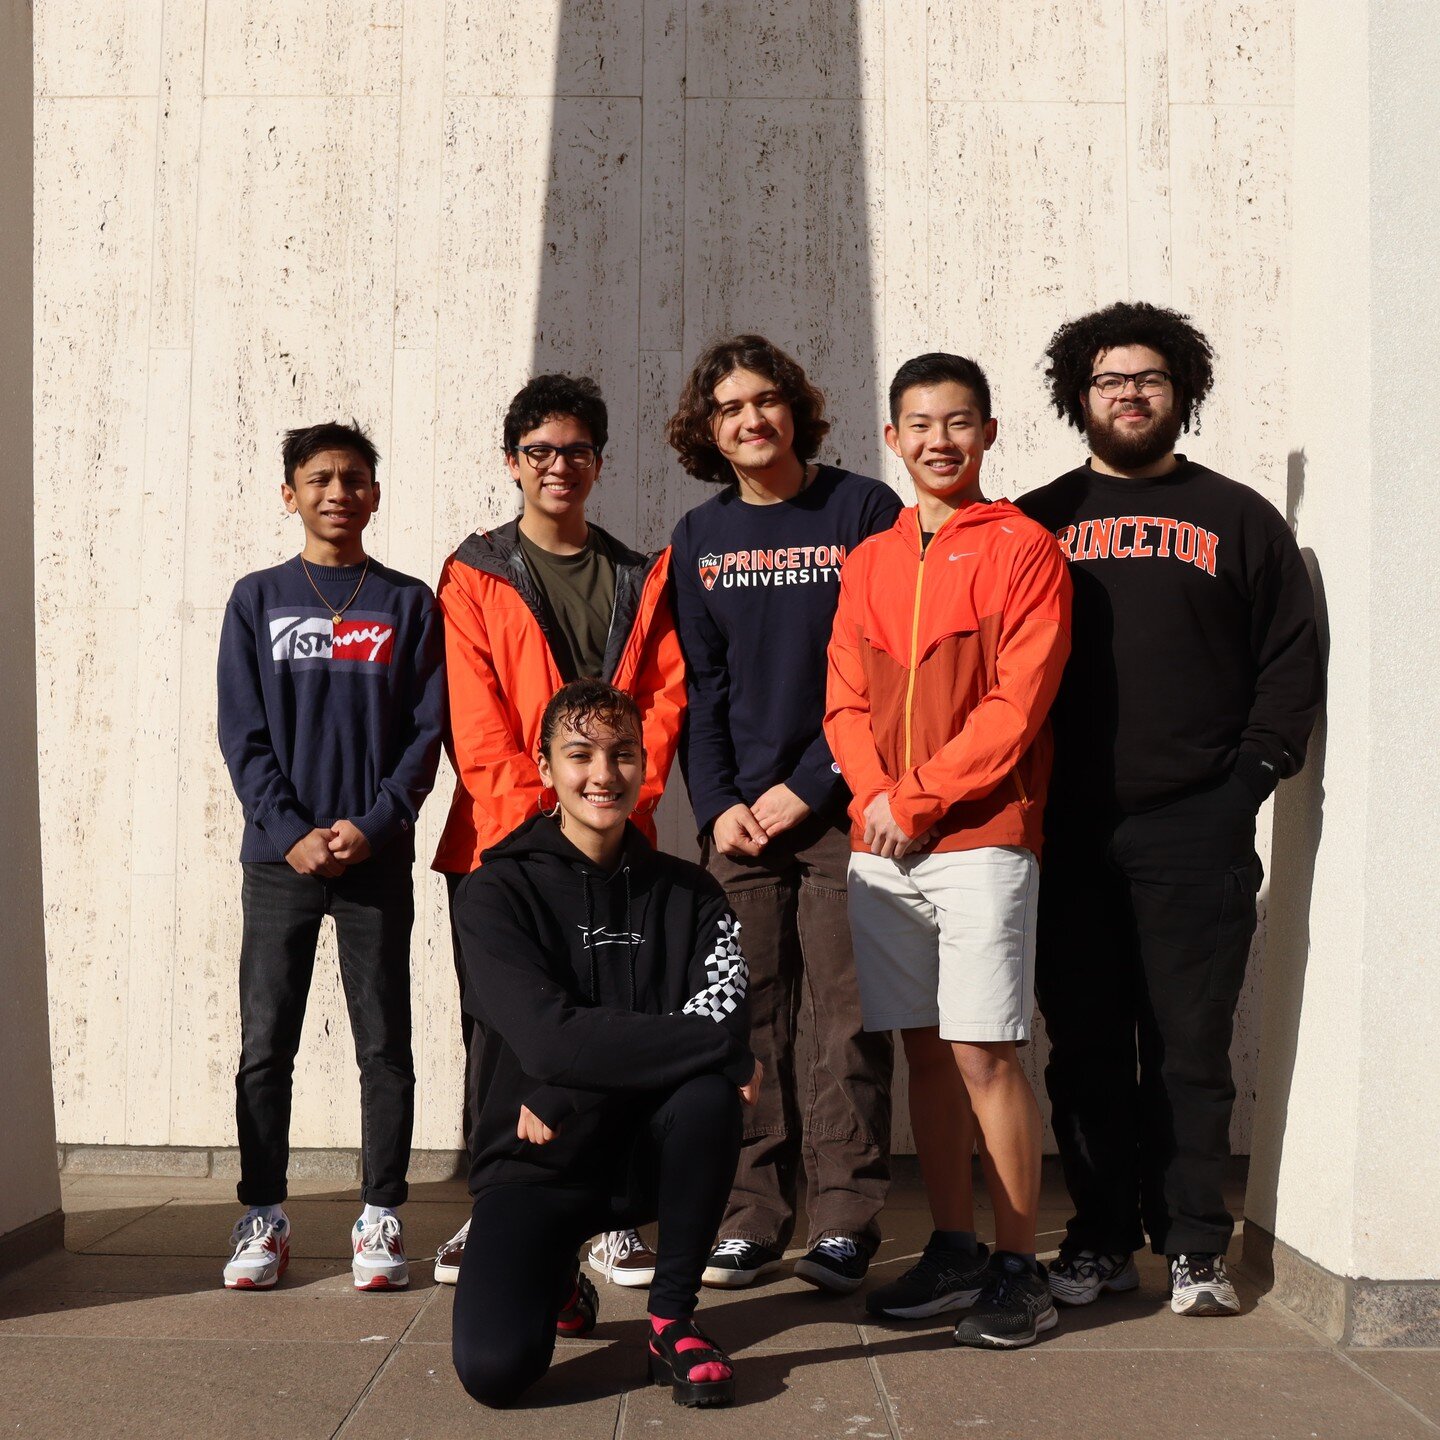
[{"x": 128, "y": 1333}]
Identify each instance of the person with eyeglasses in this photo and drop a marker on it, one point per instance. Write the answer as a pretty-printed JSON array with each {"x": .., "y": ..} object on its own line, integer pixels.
[
  {"x": 1193, "y": 682},
  {"x": 529, "y": 606}
]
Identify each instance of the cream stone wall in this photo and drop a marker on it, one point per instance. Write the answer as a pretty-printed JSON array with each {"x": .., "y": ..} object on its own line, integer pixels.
[
  {"x": 1345, "y": 1168},
  {"x": 252, "y": 215}
]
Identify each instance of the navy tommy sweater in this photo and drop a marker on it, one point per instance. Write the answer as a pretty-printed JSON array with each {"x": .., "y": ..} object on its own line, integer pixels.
[
  {"x": 756, "y": 588},
  {"x": 322, "y": 722}
]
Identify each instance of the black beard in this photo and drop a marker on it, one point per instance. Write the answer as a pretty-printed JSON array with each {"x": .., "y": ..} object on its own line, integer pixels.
[{"x": 1123, "y": 451}]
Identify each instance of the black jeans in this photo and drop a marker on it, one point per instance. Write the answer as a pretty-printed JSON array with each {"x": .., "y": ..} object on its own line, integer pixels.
[
  {"x": 519, "y": 1261},
  {"x": 374, "y": 908},
  {"x": 825, "y": 1101},
  {"x": 1144, "y": 930}
]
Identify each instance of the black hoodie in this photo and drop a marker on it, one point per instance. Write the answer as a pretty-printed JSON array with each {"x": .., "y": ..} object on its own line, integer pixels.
[{"x": 592, "y": 990}]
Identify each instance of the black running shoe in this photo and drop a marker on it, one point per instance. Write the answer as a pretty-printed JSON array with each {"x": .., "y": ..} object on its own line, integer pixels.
[
  {"x": 941, "y": 1279},
  {"x": 836, "y": 1263},
  {"x": 1013, "y": 1308},
  {"x": 734, "y": 1263},
  {"x": 580, "y": 1311},
  {"x": 1200, "y": 1286}
]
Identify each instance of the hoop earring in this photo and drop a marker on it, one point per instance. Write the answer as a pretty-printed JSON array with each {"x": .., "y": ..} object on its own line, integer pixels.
[{"x": 553, "y": 811}]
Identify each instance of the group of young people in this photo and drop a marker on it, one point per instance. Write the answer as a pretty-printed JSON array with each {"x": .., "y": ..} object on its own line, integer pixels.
[{"x": 883, "y": 715}]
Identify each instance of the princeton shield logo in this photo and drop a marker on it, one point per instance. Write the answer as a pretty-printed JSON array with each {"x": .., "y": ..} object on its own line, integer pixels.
[{"x": 709, "y": 570}]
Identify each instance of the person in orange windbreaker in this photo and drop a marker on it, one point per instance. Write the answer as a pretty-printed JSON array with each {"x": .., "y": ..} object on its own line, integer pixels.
[
  {"x": 530, "y": 606},
  {"x": 949, "y": 641}
]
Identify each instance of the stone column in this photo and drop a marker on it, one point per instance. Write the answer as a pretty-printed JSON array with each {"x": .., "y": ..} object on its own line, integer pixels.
[
  {"x": 30, "y": 1219},
  {"x": 1345, "y": 1172}
]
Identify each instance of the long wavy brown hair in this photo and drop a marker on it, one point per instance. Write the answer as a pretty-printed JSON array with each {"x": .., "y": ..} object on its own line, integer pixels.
[{"x": 690, "y": 431}]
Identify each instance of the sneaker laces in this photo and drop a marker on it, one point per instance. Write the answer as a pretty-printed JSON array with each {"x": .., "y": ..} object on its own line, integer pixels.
[
  {"x": 727, "y": 1248},
  {"x": 1199, "y": 1267},
  {"x": 380, "y": 1237},
  {"x": 618, "y": 1245},
  {"x": 249, "y": 1236},
  {"x": 1077, "y": 1264},
  {"x": 841, "y": 1247}
]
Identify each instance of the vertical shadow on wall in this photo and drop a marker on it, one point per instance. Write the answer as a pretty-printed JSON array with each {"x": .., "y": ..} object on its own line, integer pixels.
[
  {"x": 756, "y": 216},
  {"x": 1299, "y": 822}
]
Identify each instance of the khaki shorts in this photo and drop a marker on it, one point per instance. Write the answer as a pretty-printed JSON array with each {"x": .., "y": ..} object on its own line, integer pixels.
[{"x": 947, "y": 939}]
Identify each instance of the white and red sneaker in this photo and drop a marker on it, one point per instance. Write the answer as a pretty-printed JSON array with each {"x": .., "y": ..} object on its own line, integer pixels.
[
  {"x": 262, "y": 1251},
  {"x": 379, "y": 1262}
]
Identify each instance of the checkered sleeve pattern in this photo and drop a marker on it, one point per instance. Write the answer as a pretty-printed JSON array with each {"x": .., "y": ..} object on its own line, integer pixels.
[{"x": 726, "y": 973}]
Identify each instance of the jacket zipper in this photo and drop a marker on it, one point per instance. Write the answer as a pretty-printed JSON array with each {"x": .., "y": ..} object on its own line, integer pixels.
[{"x": 914, "y": 651}]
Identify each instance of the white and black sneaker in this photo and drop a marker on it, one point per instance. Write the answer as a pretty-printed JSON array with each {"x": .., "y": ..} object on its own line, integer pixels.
[
  {"x": 1200, "y": 1286},
  {"x": 1078, "y": 1277},
  {"x": 835, "y": 1263},
  {"x": 734, "y": 1263},
  {"x": 941, "y": 1279},
  {"x": 449, "y": 1256},
  {"x": 1013, "y": 1308}
]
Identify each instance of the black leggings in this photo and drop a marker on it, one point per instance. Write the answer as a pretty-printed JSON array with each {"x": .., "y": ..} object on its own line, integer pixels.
[{"x": 520, "y": 1257}]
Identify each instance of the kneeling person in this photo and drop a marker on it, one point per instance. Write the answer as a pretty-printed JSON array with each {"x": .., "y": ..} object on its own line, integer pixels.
[
  {"x": 609, "y": 988},
  {"x": 949, "y": 640}
]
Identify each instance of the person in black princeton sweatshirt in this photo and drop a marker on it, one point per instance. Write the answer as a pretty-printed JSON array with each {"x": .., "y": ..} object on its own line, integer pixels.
[
  {"x": 331, "y": 707},
  {"x": 609, "y": 988},
  {"x": 756, "y": 572},
  {"x": 1194, "y": 679}
]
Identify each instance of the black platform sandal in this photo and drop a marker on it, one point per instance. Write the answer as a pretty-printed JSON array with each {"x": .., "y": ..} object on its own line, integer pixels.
[{"x": 671, "y": 1367}]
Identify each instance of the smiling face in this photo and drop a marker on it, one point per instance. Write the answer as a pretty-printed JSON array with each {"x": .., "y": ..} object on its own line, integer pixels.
[
  {"x": 752, "y": 425},
  {"x": 334, "y": 493},
  {"x": 595, "y": 774},
  {"x": 941, "y": 436},
  {"x": 1130, "y": 431},
  {"x": 560, "y": 489}
]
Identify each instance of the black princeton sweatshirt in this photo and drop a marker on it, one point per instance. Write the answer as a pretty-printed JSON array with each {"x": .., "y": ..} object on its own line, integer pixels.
[
  {"x": 1193, "y": 651},
  {"x": 593, "y": 991}
]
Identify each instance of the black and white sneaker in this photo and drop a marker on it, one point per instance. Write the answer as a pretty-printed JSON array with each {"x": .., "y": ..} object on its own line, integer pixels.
[
  {"x": 835, "y": 1263},
  {"x": 941, "y": 1279},
  {"x": 734, "y": 1263},
  {"x": 1077, "y": 1277},
  {"x": 1013, "y": 1308},
  {"x": 1200, "y": 1286}
]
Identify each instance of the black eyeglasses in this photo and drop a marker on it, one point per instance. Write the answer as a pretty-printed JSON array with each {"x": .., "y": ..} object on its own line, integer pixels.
[
  {"x": 1111, "y": 383},
  {"x": 542, "y": 457}
]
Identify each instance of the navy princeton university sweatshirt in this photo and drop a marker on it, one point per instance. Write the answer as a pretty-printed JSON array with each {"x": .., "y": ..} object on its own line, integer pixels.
[
  {"x": 322, "y": 721},
  {"x": 593, "y": 991},
  {"x": 756, "y": 588}
]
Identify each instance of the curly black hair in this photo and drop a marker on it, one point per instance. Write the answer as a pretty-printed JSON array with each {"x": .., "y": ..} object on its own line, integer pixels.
[
  {"x": 1074, "y": 346},
  {"x": 545, "y": 397},
  {"x": 689, "y": 430}
]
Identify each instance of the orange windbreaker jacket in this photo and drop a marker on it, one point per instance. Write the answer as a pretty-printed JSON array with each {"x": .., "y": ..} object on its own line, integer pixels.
[
  {"x": 502, "y": 673},
  {"x": 942, "y": 670}
]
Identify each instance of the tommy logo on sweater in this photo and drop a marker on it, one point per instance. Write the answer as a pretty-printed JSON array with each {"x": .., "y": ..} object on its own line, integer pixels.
[
  {"x": 316, "y": 639},
  {"x": 790, "y": 565},
  {"x": 1140, "y": 537}
]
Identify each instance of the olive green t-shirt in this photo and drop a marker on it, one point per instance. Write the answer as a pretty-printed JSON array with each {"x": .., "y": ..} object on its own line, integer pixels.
[{"x": 579, "y": 592}]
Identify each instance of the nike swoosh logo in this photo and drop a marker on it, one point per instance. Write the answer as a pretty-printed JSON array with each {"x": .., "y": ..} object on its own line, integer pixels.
[{"x": 961, "y": 555}]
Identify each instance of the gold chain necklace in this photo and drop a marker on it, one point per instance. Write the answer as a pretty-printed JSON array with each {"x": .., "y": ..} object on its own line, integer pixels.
[{"x": 335, "y": 614}]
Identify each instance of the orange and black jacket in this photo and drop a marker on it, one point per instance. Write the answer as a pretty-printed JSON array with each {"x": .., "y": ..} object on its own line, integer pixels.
[
  {"x": 502, "y": 672},
  {"x": 943, "y": 663}
]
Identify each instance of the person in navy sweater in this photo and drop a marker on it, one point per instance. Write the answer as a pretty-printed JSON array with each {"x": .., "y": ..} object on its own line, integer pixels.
[
  {"x": 331, "y": 708},
  {"x": 757, "y": 577}
]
